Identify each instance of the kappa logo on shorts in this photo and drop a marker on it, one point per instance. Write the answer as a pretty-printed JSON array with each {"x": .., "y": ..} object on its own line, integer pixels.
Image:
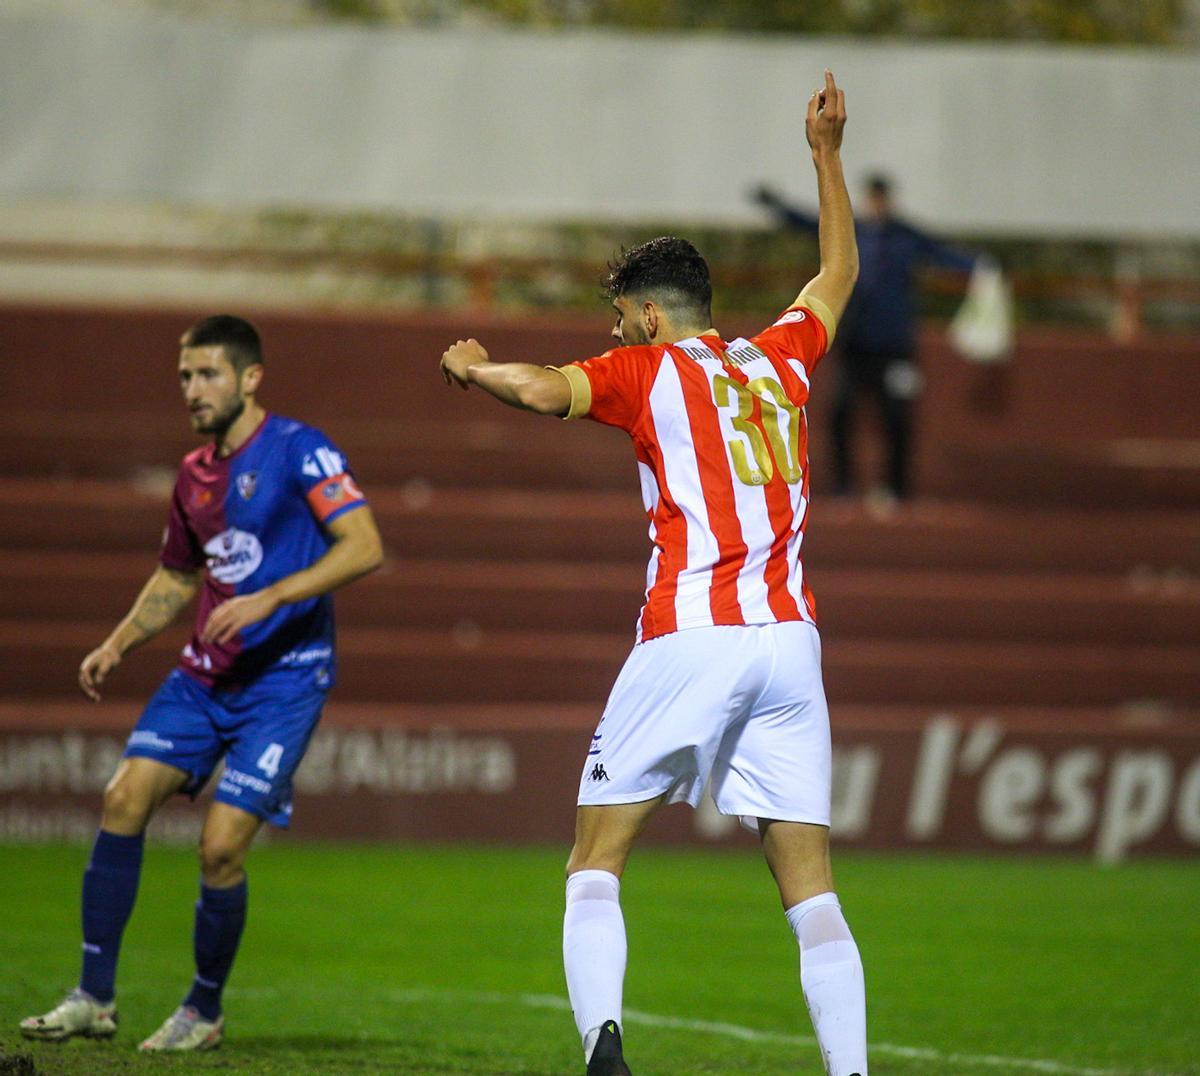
[{"x": 599, "y": 773}]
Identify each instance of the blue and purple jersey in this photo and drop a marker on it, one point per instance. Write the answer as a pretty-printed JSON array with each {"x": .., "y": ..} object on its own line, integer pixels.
[{"x": 250, "y": 519}]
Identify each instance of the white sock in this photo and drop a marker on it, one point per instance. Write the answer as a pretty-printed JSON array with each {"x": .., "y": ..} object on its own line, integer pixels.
[
  {"x": 831, "y": 976},
  {"x": 594, "y": 951}
]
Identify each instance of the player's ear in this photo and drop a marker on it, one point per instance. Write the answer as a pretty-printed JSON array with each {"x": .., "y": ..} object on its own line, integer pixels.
[
  {"x": 251, "y": 378},
  {"x": 650, "y": 319}
]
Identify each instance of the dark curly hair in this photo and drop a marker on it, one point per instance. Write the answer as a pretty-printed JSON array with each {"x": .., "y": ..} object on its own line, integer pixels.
[
  {"x": 236, "y": 335},
  {"x": 668, "y": 270}
]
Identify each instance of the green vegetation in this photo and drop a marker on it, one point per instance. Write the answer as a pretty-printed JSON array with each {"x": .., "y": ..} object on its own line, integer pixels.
[
  {"x": 368, "y": 959},
  {"x": 1090, "y": 22}
]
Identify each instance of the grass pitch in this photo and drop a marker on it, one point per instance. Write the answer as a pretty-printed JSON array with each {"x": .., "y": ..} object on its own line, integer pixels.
[{"x": 372, "y": 959}]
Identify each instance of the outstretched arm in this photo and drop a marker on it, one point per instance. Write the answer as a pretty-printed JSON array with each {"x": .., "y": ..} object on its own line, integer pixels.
[
  {"x": 789, "y": 215},
  {"x": 940, "y": 254},
  {"x": 166, "y": 592},
  {"x": 518, "y": 384},
  {"x": 357, "y": 549},
  {"x": 839, "y": 251}
]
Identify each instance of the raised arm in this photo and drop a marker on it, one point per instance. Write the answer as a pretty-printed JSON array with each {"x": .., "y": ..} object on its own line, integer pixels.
[
  {"x": 839, "y": 252},
  {"x": 518, "y": 384},
  {"x": 166, "y": 592},
  {"x": 356, "y": 550}
]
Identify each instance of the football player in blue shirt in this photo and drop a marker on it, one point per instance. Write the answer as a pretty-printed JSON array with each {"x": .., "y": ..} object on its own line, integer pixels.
[{"x": 265, "y": 521}]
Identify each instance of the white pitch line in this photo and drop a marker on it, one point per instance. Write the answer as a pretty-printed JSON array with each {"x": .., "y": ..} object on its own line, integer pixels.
[{"x": 749, "y": 1034}]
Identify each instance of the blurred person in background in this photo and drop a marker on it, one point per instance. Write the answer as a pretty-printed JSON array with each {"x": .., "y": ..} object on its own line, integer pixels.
[
  {"x": 877, "y": 334},
  {"x": 265, "y": 521}
]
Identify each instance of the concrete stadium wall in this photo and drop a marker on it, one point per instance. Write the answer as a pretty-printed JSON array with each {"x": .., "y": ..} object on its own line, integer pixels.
[{"x": 993, "y": 138}]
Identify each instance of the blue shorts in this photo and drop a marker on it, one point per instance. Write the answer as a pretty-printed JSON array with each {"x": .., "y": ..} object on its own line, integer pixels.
[{"x": 262, "y": 729}]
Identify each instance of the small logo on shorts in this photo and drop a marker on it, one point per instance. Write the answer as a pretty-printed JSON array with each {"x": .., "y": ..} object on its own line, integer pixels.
[
  {"x": 598, "y": 773},
  {"x": 150, "y": 739}
]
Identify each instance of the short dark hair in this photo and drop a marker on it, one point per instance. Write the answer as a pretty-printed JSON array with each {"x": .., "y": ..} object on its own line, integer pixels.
[
  {"x": 880, "y": 183},
  {"x": 236, "y": 335},
  {"x": 667, "y": 269}
]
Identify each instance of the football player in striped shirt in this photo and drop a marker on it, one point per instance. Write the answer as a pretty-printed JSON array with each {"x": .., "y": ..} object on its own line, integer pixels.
[
  {"x": 266, "y": 520},
  {"x": 724, "y": 683}
]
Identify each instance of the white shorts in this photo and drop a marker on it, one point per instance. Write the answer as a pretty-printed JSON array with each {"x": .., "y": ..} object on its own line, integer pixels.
[{"x": 742, "y": 706}]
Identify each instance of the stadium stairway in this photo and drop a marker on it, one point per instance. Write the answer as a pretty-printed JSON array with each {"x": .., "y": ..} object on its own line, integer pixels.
[{"x": 1052, "y": 562}]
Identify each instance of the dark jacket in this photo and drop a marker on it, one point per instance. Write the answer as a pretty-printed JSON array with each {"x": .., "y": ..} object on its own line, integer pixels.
[{"x": 881, "y": 314}]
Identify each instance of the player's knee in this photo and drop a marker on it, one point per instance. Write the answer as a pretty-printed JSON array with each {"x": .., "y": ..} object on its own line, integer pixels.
[
  {"x": 220, "y": 860},
  {"x": 127, "y": 808},
  {"x": 597, "y": 857}
]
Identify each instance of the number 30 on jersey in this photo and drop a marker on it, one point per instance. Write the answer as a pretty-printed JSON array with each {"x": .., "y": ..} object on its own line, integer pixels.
[{"x": 773, "y": 449}]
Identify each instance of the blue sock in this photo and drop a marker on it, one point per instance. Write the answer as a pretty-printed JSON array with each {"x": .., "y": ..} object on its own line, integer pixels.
[
  {"x": 220, "y": 916},
  {"x": 110, "y": 886}
]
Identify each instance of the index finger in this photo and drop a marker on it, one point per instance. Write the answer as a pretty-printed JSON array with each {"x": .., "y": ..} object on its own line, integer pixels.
[
  {"x": 86, "y": 685},
  {"x": 830, "y": 85},
  {"x": 211, "y": 625}
]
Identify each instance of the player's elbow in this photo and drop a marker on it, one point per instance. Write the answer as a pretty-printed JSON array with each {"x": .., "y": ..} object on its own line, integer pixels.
[
  {"x": 367, "y": 551},
  {"x": 546, "y": 395},
  {"x": 846, "y": 268},
  {"x": 834, "y": 284},
  {"x": 371, "y": 556}
]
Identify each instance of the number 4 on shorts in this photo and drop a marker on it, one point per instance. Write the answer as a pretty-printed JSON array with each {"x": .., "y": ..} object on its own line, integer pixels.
[{"x": 269, "y": 760}]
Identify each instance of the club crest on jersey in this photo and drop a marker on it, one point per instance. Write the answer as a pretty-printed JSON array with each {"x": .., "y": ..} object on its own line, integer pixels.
[{"x": 247, "y": 483}]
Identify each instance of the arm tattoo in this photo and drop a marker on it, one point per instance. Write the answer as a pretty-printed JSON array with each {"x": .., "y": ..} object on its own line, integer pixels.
[
  {"x": 158, "y": 608},
  {"x": 156, "y": 611}
]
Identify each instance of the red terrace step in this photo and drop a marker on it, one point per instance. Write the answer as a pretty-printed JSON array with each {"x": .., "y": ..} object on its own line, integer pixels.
[
  {"x": 419, "y": 522},
  {"x": 454, "y": 453},
  {"x": 379, "y": 364},
  {"x": 1124, "y": 474},
  {"x": 468, "y": 666},
  {"x": 416, "y": 521},
  {"x": 511, "y": 450},
  {"x": 556, "y": 595},
  {"x": 318, "y": 364}
]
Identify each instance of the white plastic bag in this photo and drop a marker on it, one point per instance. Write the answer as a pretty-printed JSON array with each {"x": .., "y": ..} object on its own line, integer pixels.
[{"x": 982, "y": 329}]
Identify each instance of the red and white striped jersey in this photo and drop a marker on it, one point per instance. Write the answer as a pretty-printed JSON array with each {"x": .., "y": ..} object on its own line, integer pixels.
[{"x": 721, "y": 439}]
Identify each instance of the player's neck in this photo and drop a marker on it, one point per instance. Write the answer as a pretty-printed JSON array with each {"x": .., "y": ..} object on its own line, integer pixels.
[
  {"x": 676, "y": 335},
  {"x": 241, "y": 430}
]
